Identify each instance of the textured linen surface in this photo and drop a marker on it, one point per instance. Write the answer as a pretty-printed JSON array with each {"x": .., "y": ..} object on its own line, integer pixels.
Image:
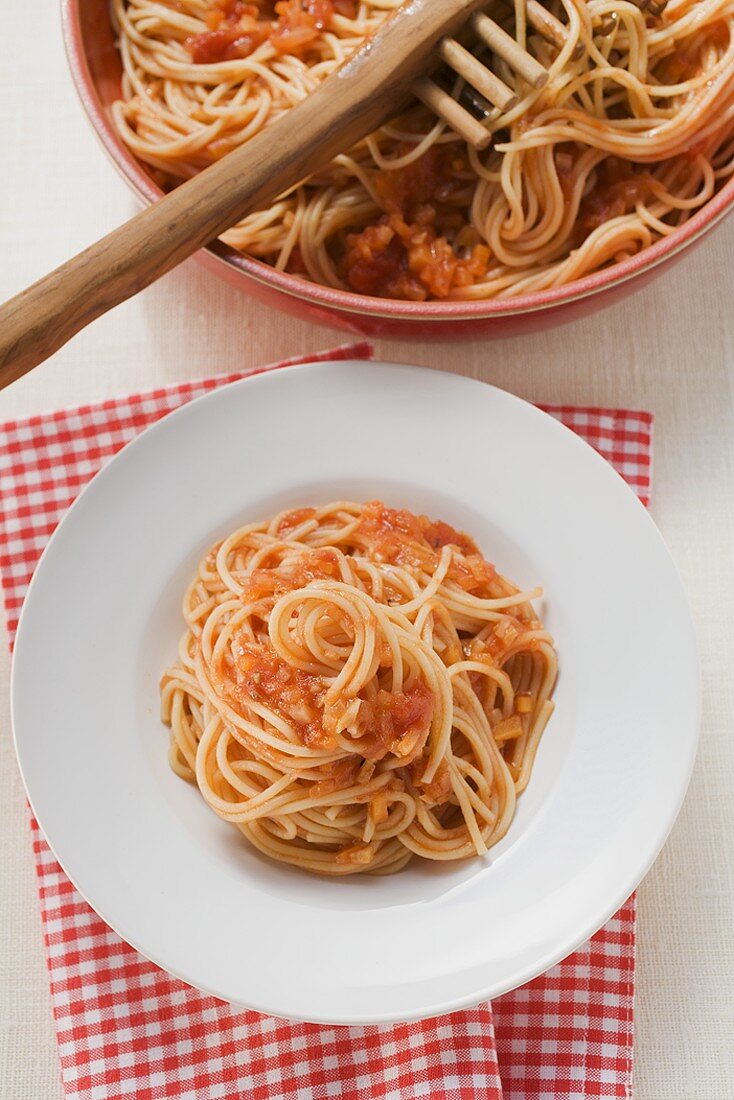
[{"x": 125, "y": 1028}]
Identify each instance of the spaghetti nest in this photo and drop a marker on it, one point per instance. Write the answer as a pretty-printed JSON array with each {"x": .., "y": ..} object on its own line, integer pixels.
[
  {"x": 632, "y": 134},
  {"x": 357, "y": 686}
]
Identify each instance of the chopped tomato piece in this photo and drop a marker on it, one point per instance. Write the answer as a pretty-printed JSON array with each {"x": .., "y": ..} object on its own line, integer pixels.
[
  {"x": 395, "y": 723},
  {"x": 397, "y": 259},
  {"x": 300, "y": 24},
  {"x": 227, "y": 43}
]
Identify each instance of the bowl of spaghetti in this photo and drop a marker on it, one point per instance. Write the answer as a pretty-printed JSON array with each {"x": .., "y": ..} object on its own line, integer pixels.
[
  {"x": 361, "y": 739},
  {"x": 624, "y": 158}
]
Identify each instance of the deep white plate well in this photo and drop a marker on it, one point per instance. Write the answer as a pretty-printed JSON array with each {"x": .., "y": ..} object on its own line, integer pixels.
[{"x": 102, "y": 619}]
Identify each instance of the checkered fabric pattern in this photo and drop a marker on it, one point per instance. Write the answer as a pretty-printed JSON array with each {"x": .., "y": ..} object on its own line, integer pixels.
[{"x": 126, "y": 1029}]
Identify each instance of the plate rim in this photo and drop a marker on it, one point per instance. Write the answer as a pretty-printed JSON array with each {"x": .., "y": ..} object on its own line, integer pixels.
[{"x": 604, "y": 912}]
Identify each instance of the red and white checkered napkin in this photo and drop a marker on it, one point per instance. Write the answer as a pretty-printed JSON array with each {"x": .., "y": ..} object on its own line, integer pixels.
[{"x": 127, "y": 1029}]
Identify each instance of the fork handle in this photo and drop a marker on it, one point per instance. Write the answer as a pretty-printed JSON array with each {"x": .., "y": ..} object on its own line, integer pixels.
[{"x": 348, "y": 105}]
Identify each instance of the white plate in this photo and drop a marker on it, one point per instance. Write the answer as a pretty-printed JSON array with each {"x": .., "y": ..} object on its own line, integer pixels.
[{"x": 102, "y": 619}]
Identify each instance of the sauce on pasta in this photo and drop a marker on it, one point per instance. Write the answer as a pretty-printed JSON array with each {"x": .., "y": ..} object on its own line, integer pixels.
[{"x": 357, "y": 687}]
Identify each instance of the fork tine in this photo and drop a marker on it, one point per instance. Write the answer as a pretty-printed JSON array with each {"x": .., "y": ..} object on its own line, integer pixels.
[
  {"x": 456, "y": 116},
  {"x": 505, "y": 46},
  {"x": 479, "y": 79},
  {"x": 549, "y": 27},
  {"x": 476, "y": 74}
]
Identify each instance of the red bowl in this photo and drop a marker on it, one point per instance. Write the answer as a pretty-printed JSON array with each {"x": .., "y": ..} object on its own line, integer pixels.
[{"x": 96, "y": 69}]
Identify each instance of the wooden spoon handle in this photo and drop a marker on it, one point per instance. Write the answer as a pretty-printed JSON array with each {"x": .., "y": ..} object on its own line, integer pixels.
[
  {"x": 370, "y": 87},
  {"x": 42, "y": 318}
]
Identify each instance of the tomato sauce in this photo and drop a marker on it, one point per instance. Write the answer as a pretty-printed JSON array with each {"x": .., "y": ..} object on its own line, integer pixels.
[
  {"x": 294, "y": 519},
  {"x": 296, "y": 264},
  {"x": 236, "y": 28},
  {"x": 438, "y": 534},
  {"x": 300, "y": 23},
  {"x": 430, "y": 180},
  {"x": 504, "y": 636},
  {"x": 315, "y": 565},
  {"x": 401, "y": 538},
  {"x": 394, "y": 535},
  {"x": 619, "y": 186},
  {"x": 438, "y": 789},
  {"x": 338, "y": 776},
  {"x": 263, "y": 677},
  {"x": 406, "y": 253},
  {"x": 396, "y": 723},
  {"x": 685, "y": 62}
]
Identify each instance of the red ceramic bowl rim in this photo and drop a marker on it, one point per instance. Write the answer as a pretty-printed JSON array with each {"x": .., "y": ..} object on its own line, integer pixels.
[{"x": 346, "y": 301}]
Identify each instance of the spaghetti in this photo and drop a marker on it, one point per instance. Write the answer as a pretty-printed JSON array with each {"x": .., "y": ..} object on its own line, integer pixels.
[
  {"x": 633, "y": 132},
  {"x": 357, "y": 686}
]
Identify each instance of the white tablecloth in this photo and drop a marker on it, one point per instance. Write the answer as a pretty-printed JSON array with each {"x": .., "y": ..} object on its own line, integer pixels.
[{"x": 669, "y": 349}]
